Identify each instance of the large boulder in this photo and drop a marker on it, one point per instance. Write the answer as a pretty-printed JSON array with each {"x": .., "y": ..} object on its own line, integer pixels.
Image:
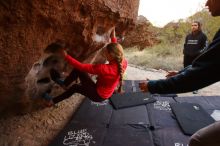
[
  {"x": 142, "y": 36},
  {"x": 28, "y": 26}
]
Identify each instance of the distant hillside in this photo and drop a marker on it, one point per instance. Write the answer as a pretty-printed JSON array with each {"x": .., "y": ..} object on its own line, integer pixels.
[{"x": 175, "y": 32}]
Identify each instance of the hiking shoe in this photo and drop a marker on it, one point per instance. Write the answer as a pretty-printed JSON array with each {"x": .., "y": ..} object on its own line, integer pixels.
[
  {"x": 59, "y": 82},
  {"x": 46, "y": 96},
  {"x": 48, "y": 100}
]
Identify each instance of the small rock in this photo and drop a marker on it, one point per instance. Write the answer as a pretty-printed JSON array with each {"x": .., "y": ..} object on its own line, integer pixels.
[{"x": 49, "y": 121}]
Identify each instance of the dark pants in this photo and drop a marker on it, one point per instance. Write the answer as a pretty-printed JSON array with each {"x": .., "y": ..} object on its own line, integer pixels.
[
  {"x": 208, "y": 136},
  {"x": 187, "y": 60},
  {"x": 87, "y": 87}
]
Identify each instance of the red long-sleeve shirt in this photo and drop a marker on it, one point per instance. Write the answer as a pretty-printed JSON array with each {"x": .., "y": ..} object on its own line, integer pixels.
[{"x": 108, "y": 75}]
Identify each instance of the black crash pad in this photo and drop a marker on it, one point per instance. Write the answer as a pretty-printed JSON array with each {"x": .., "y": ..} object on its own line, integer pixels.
[
  {"x": 170, "y": 136},
  {"x": 94, "y": 113},
  {"x": 214, "y": 101},
  {"x": 133, "y": 86},
  {"x": 191, "y": 117},
  {"x": 126, "y": 100},
  {"x": 134, "y": 115},
  {"x": 160, "y": 114},
  {"x": 80, "y": 135},
  {"x": 201, "y": 100},
  {"x": 128, "y": 135}
]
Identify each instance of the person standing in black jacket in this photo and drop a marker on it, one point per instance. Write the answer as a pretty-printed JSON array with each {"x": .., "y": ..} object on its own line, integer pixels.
[
  {"x": 203, "y": 72},
  {"x": 195, "y": 44}
]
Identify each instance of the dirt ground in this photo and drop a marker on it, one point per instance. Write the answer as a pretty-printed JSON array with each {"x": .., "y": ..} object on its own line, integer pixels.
[{"x": 40, "y": 127}]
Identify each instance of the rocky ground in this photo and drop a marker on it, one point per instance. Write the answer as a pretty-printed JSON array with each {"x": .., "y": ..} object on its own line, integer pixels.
[{"x": 40, "y": 127}]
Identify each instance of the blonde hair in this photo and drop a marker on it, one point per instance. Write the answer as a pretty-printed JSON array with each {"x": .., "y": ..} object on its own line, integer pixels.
[{"x": 117, "y": 53}]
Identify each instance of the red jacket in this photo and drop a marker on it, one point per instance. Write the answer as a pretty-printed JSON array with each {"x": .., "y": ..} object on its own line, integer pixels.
[{"x": 108, "y": 75}]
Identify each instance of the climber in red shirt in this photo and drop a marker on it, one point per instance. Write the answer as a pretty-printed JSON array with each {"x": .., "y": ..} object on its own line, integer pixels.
[{"x": 109, "y": 75}]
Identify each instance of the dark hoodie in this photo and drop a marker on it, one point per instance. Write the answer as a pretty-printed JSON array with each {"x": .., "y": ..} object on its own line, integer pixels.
[{"x": 194, "y": 44}]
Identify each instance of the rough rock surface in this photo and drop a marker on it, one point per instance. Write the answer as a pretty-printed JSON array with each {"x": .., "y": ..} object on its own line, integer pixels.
[
  {"x": 142, "y": 35},
  {"x": 27, "y": 27}
]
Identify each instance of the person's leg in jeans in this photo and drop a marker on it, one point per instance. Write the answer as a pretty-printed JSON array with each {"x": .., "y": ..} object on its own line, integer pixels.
[
  {"x": 86, "y": 88},
  {"x": 208, "y": 136}
]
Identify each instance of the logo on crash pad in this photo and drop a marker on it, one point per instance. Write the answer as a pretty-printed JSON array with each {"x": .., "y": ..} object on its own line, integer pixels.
[
  {"x": 162, "y": 105},
  {"x": 78, "y": 138},
  {"x": 103, "y": 103}
]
